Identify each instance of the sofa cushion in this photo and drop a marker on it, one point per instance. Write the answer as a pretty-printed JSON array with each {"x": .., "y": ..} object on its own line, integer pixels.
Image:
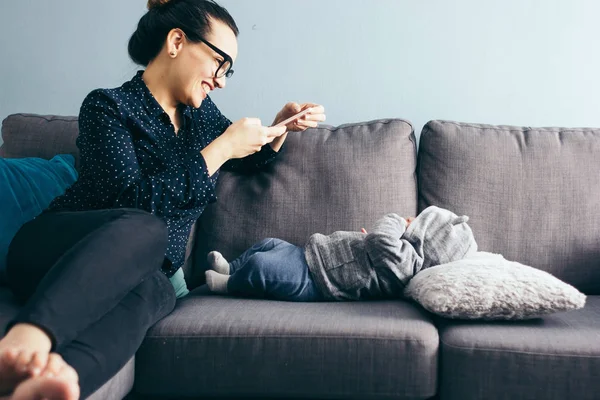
[
  {"x": 532, "y": 194},
  {"x": 223, "y": 346},
  {"x": 487, "y": 286},
  {"x": 44, "y": 136},
  {"x": 115, "y": 389},
  {"x": 27, "y": 186},
  {"x": 556, "y": 357},
  {"x": 326, "y": 179}
]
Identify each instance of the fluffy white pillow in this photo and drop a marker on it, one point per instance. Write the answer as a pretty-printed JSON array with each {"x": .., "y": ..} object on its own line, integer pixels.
[{"x": 489, "y": 287}]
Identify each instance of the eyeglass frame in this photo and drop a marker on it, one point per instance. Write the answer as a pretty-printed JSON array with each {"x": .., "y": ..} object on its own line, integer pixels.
[{"x": 226, "y": 57}]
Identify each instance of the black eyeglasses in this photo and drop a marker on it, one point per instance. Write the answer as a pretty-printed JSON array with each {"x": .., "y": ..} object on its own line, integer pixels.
[{"x": 224, "y": 69}]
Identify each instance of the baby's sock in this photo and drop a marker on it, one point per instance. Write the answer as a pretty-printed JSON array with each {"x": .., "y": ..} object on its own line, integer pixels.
[
  {"x": 218, "y": 263},
  {"x": 216, "y": 282}
]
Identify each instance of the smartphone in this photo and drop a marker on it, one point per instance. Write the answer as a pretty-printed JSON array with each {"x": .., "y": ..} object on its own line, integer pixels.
[{"x": 294, "y": 117}]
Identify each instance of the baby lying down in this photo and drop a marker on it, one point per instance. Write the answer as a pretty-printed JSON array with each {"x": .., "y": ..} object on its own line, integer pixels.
[{"x": 345, "y": 265}]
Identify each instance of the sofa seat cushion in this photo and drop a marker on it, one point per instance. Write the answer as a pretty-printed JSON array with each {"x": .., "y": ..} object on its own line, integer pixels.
[
  {"x": 223, "y": 346},
  {"x": 556, "y": 357},
  {"x": 115, "y": 389}
]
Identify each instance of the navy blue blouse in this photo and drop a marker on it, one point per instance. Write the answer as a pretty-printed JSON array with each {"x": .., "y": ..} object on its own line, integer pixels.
[{"x": 131, "y": 157}]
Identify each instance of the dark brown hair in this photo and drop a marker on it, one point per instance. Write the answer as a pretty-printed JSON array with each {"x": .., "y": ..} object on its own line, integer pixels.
[{"x": 191, "y": 16}]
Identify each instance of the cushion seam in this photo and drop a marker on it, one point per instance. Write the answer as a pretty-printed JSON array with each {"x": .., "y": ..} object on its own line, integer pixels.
[
  {"x": 279, "y": 337},
  {"x": 479, "y": 349},
  {"x": 518, "y": 128}
]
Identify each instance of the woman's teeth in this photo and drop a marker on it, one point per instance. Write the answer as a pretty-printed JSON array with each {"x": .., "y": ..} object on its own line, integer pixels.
[{"x": 206, "y": 88}]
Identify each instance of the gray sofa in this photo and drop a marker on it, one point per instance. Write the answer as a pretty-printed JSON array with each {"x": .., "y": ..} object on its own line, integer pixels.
[{"x": 532, "y": 195}]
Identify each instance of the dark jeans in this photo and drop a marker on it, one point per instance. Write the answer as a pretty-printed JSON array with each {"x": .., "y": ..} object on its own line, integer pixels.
[
  {"x": 92, "y": 281},
  {"x": 274, "y": 269}
]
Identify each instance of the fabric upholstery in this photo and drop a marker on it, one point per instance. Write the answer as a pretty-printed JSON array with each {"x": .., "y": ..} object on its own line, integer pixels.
[
  {"x": 215, "y": 345},
  {"x": 326, "y": 179},
  {"x": 556, "y": 357},
  {"x": 486, "y": 286},
  {"x": 44, "y": 136},
  {"x": 532, "y": 194}
]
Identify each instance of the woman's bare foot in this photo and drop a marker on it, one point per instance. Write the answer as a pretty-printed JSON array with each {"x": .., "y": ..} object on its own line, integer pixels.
[
  {"x": 24, "y": 353},
  {"x": 45, "y": 388},
  {"x": 14, "y": 368},
  {"x": 55, "y": 380}
]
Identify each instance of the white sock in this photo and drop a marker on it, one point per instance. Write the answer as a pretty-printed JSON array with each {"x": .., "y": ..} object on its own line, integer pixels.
[
  {"x": 218, "y": 263},
  {"x": 216, "y": 282}
]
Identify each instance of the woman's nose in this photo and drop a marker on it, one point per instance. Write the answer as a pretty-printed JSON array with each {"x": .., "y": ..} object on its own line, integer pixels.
[{"x": 220, "y": 82}]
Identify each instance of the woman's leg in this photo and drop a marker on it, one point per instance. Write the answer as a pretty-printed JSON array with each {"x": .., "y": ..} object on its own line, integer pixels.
[
  {"x": 100, "y": 351},
  {"x": 280, "y": 273},
  {"x": 72, "y": 268}
]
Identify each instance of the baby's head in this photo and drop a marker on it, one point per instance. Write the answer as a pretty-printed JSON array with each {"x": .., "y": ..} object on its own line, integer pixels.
[{"x": 440, "y": 236}]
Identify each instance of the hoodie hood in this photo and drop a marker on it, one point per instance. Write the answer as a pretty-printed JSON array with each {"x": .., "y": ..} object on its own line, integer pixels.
[{"x": 439, "y": 236}]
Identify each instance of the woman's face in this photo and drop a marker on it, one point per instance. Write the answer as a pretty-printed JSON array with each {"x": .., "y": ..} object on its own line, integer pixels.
[{"x": 197, "y": 64}]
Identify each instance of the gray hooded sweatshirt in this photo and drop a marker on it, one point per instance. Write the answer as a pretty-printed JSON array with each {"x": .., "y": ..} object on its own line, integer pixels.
[{"x": 353, "y": 265}]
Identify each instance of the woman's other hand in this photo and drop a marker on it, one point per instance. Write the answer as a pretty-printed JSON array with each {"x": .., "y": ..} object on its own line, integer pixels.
[{"x": 309, "y": 120}]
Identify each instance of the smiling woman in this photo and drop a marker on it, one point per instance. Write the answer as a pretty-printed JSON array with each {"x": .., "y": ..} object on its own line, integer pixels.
[{"x": 151, "y": 151}]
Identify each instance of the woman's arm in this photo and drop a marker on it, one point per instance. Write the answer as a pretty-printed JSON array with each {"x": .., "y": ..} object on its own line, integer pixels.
[{"x": 219, "y": 149}]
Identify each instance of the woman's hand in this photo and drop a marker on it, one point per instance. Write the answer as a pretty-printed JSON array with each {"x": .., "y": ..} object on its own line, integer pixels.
[
  {"x": 309, "y": 120},
  {"x": 239, "y": 140},
  {"x": 248, "y": 136}
]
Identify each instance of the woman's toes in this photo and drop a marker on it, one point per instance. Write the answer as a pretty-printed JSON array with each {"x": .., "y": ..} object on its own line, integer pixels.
[
  {"x": 67, "y": 372},
  {"x": 38, "y": 363},
  {"x": 23, "y": 360},
  {"x": 8, "y": 359},
  {"x": 53, "y": 366},
  {"x": 11, "y": 371}
]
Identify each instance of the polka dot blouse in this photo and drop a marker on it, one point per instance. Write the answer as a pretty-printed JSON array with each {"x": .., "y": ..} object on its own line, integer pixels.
[{"x": 131, "y": 157}]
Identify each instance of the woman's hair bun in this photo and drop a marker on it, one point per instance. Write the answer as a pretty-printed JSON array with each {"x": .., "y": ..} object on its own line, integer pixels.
[{"x": 156, "y": 3}]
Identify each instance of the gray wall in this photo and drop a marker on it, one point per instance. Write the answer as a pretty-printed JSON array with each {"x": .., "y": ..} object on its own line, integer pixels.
[{"x": 520, "y": 62}]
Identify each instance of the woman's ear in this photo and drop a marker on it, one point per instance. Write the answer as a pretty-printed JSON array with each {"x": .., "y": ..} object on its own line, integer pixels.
[{"x": 175, "y": 40}]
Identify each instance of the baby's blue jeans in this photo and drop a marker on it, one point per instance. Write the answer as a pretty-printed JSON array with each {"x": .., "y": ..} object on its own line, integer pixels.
[{"x": 273, "y": 269}]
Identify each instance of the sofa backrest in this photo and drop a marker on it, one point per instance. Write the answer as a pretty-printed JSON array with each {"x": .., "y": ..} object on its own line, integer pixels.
[
  {"x": 532, "y": 194},
  {"x": 44, "y": 136},
  {"x": 325, "y": 179}
]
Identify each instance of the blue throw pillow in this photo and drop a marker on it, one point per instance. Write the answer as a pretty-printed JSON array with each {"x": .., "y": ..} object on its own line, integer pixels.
[{"x": 27, "y": 186}]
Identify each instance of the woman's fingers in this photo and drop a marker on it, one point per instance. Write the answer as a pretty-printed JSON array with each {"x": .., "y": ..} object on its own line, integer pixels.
[
  {"x": 316, "y": 108},
  {"x": 251, "y": 121},
  {"x": 307, "y": 124},
  {"x": 272, "y": 132},
  {"x": 314, "y": 117}
]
